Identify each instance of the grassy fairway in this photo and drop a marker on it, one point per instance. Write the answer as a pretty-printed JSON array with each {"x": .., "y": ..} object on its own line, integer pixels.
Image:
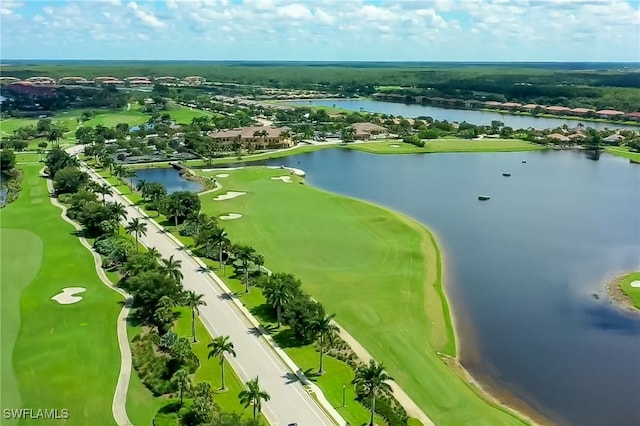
[
  {"x": 111, "y": 118},
  {"x": 632, "y": 292},
  {"x": 446, "y": 145},
  {"x": 623, "y": 151},
  {"x": 53, "y": 356},
  {"x": 346, "y": 250},
  {"x": 184, "y": 115}
]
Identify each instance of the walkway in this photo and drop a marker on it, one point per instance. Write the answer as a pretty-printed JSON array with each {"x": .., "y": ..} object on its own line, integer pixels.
[
  {"x": 119, "y": 404},
  {"x": 290, "y": 401}
]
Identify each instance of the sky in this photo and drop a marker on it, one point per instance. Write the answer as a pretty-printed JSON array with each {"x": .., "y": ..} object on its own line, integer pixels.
[{"x": 322, "y": 30}]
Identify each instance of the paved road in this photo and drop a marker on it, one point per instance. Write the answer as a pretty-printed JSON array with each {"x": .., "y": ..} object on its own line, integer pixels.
[{"x": 289, "y": 403}]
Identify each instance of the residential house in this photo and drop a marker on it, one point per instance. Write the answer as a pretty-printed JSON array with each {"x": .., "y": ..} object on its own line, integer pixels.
[
  {"x": 112, "y": 83},
  {"x": 609, "y": 113},
  {"x": 8, "y": 80},
  {"x": 635, "y": 116},
  {"x": 558, "y": 137},
  {"x": 558, "y": 110},
  {"x": 531, "y": 107},
  {"x": 42, "y": 81},
  {"x": 260, "y": 137},
  {"x": 140, "y": 83},
  {"x": 73, "y": 80},
  {"x": 368, "y": 130},
  {"x": 194, "y": 80},
  {"x": 577, "y": 137},
  {"x": 581, "y": 111},
  {"x": 472, "y": 104},
  {"x": 511, "y": 105},
  {"x": 99, "y": 80},
  {"x": 492, "y": 104},
  {"x": 615, "y": 138}
]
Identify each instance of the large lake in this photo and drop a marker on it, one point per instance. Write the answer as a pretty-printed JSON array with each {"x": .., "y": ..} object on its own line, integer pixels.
[
  {"x": 523, "y": 268},
  {"x": 168, "y": 177},
  {"x": 459, "y": 115}
]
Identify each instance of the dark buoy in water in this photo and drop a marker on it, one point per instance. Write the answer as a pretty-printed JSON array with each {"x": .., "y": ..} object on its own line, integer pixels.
[
  {"x": 483, "y": 197},
  {"x": 524, "y": 161},
  {"x": 506, "y": 174}
]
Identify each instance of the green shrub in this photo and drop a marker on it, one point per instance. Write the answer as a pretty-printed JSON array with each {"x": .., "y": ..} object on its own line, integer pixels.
[{"x": 166, "y": 419}]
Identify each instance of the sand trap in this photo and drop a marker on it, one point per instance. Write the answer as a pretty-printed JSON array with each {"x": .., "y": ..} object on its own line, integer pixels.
[
  {"x": 229, "y": 195},
  {"x": 635, "y": 283},
  {"x": 222, "y": 169},
  {"x": 295, "y": 171},
  {"x": 222, "y": 175},
  {"x": 274, "y": 167},
  {"x": 285, "y": 179},
  {"x": 66, "y": 297},
  {"x": 394, "y": 146},
  {"x": 230, "y": 216}
]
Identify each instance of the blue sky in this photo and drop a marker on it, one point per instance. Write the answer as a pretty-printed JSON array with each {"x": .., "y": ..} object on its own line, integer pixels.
[{"x": 332, "y": 30}]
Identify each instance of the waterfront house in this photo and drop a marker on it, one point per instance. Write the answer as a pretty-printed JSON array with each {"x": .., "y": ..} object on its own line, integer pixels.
[
  {"x": 530, "y": 107},
  {"x": 8, "y": 80},
  {"x": 558, "y": 110},
  {"x": 260, "y": 137},
  {"x": 492, "y": 104},
  {"x": 635, "y": 116},
  {"x": 614, "y": 139},
  {"x": 42, "y": 81},
  {"x": 73, "y": 80},
  {"x": 581, "y": 111},
  {"x": 609, "y": 113},
  {"x": 558, "y": 137},
  {"x": 368, "y": 130},
  {"x": 514, "y": 106}
]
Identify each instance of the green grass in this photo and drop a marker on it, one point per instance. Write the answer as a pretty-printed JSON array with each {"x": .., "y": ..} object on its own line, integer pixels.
[
  {"x": 184, "y": 115},
  {"x": 446, "y": 145},
  {"x": 111, "y": 118},
  {"x": 624, "y": 152},
  {"x": 53, "y": 356},
  {"x": 346, "y": 250},
  {"x": 632, "y": 292},
  {"x": 28, "y": 157}
]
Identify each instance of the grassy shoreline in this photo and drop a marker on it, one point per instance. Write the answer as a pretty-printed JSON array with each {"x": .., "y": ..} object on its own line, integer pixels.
[{"x": 620, "y": 291}]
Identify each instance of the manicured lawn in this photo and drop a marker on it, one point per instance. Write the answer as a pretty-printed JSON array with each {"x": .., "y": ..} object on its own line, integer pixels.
[
  {"x": 632, "y": 292},
  {"x": 446, "y": 145},
  {"x": 53, "y": 355},
  {"x": 624, "y": 152},
  {"x": 346, "y": 250},
  {"x": 184, "y": 115},
  {"x": 28, "y": 157},
  {"x": 111, "y": 118}
]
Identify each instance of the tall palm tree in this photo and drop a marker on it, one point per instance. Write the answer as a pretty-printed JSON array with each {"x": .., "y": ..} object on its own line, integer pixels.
[
  {"x": 371, "y": 378},
  {"x": 137, "y": 228},
  {"x": 253, "y": 395},
  {"x": 54, "y": 135},
  {"x": 192, "y": 301},
  {"x": 104, "y": 190},
  {"x": 140, "y": 186},
  {"x": 153, "y": 252},
  {"x": 220, "y": 346},
  {"x": 219, "y": 239},
  {"x": 181, "y": 378},
  {"x": 326, "y": 331},
  {"x": 278, "y": 293},
  {"x": 128, "y": 173},
  {"x": 244, "y": 254},
  {"x": 171, "y": 267},
  {"x": 118, "y": 211}
]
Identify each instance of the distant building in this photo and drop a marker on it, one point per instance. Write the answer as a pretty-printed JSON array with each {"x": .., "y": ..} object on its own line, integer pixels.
[
  {"x": 368, "y": 130},
  {"x": 492, "y": 104},
  {"x": 194, "y": 80},
  {"x": 140, "y": 83},
  {"x": 8, "y": 80},
  {"x": 74, "y": 80},
  {"x": 581, "y": 111},
  {"x": 615, "y": 138},
  {"x": 558, "y": 137},
  {"x": 635, "y": 116},
  {"x": 558, "y": 109},
  {"x": 511, "y": 105},
  {"x": 42, "y": 81},
  {"x": 609, "y": 113},
  {"x": 259, "y": 136},
  {"x": 531, "y": 107}
]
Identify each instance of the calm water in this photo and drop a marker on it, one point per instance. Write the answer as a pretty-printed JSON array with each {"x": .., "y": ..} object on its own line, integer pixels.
[
  {"x": 470, "y": 116},
  {"x": 523, "y": 267},
  {"x": 168, "y": 177}
]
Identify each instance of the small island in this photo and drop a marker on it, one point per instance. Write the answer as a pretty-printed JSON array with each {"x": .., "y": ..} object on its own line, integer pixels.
[{"x": 625, "y": 290}]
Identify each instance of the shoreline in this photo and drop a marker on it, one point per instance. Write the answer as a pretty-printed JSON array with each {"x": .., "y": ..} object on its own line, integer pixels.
[
  {"x": 618, "y": 296},
  {"x": 500, "y": 398}
]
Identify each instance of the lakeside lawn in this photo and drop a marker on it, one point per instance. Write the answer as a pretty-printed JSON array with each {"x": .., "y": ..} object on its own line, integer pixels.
[
  {"x": 624, "y": 152},
  {"x": 632, "y": 292},
  {"x": 53, "y": 356},
  {"x": 392, "y": 146},
  {"x": 346, "y": 250},
  {"x": 184, "y": 115}
]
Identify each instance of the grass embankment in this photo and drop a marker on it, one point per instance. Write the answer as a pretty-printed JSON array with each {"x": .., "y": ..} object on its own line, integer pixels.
[
  {"x": 446, "y": 145},
  {"x": 53, "y": 356},
  {"x": 345, "y": 250},
  {"x": 624, "y": 152},
  {"x": 632, "y": 292}
]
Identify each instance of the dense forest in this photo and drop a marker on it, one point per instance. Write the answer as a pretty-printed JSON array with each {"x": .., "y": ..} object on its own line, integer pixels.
[{"x": 614, "y": 86}]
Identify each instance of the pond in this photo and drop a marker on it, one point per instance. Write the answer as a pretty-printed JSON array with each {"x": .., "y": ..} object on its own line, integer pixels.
[
  {"x": 459, "y": 115},
  {"x": 525, "y": 270},
  {"x": 169, "y": 178}
]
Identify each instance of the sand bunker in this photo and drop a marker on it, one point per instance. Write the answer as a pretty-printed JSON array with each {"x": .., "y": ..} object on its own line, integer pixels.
[
  {"x": 221, "y": 175},
  {"x": 67, "y": 296},
  {"x": 394, "y": 146},
  {"x": 222, "y": 169},
  {"x": 293, "y": 170},
  {"x": 635, "y": 283},
  {"x": 230, "y": 216},
  {"x": 229, "y": 195},
  {"x": 285, "y": 179}
]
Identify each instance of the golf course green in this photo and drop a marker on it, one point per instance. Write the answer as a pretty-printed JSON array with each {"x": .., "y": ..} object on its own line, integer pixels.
[
  {"x": 379, "y": 271},
  {"x": 53, "y": 355},
  {"x": 394, "y": 146}
]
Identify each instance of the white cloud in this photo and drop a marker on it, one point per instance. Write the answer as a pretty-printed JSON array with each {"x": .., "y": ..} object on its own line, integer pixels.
[
  {"x": 295, "y": 11},
  {"x": 146, "y": 17}
]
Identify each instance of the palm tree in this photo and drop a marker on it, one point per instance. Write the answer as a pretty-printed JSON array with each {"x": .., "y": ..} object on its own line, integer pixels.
[
  {"x": 128, "y": 173},
  {"x": 192, "y": 301},
  {"x": 220, "y": 346},
  {"x": 181, "y": 378},
  {"x": 326, "y": 331},
  {"x": 219, "y": 238},
  {"x": 118, "y": 211},
  {"x": 137, "y": 228},
  {"x": 253, "y": 395},
  {"x": 244, "y": 254},
  {"x": 54, "y": 135},
  {"x": 107, "y": 162},
  {"x": 153, "y": 252},
  {"x": 104, "y": 190},
  {"x": 372, "y": 377},
  {"x": 278, "y": 293},
  {"x": 140, "y": 186},
  {"x": 118, "y": 170},
  {"x": 171, "y": 267}
]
